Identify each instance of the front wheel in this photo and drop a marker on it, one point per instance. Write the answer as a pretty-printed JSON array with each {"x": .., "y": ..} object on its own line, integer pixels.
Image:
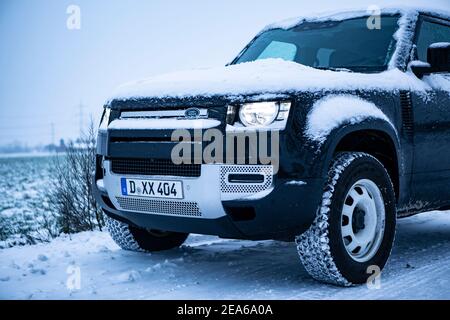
[
  {"x": 354, "y": 230},
  {"x": 137, "y": 239}
]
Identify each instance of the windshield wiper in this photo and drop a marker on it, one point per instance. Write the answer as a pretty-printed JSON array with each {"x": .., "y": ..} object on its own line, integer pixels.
[{"x": 333, "y": 69}]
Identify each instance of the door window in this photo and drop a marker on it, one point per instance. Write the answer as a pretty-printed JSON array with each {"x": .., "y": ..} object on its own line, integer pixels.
[{"x": 431, "y": 32}]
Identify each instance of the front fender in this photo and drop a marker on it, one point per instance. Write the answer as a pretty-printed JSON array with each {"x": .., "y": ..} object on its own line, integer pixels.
[{"x": 326, "y": 150}]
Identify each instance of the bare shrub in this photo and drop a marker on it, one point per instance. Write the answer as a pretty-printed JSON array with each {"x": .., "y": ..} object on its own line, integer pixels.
[
  {"x": 27, "y": 228},
  {"x": 71, "y": 195}
]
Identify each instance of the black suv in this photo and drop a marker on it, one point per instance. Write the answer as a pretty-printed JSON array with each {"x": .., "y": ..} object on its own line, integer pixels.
[{"x": 323, "y": 130}]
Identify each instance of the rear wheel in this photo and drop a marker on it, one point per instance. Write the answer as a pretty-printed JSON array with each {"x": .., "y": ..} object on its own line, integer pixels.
[
  {"x": 355, "y": 225},
  {"x": 137, "y": 239}
]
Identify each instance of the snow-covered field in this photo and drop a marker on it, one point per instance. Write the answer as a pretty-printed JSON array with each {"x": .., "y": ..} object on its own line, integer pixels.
[
  {"x": 212, "y": 268},
  {"x": 23, "y": 187}
]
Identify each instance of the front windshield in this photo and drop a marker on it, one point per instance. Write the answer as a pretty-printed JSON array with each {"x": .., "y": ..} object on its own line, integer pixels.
[{"x": 348, "y": 44}]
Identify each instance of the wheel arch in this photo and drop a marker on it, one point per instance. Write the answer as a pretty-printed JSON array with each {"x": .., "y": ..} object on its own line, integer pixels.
[{"x": 375, "y": 137}]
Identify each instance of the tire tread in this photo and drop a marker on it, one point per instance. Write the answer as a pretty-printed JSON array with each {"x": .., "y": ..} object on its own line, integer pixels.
[{"x": 313, "y": 245}]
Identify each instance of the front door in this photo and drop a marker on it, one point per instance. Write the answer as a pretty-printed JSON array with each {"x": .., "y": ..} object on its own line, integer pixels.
[{"x": 431, "y": 112}]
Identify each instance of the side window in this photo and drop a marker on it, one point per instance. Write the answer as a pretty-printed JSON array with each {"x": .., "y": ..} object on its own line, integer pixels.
[{"x": 431, "y": 32}]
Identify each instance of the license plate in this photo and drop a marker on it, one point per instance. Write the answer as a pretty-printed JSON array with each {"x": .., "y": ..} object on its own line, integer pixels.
[{"x": 152, "y": 188}]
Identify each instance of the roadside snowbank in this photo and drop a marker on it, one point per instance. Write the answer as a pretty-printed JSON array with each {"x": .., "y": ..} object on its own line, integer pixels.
[{"x": 212, "y": 268}]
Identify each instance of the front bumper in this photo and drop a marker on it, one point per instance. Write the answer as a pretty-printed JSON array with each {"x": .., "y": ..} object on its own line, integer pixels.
[
  {"x": 202, "y": 196},
  {"x": 273, "y": 208}
]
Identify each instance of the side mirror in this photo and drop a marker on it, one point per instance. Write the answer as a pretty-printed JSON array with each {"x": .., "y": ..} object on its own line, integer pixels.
[
  {"x": 420, "y": 68},
  {"x": 438, "y": 57}
]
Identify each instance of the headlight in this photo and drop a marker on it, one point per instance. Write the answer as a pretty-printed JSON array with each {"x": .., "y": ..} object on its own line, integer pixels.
[
  {"x": 263, "y": 114},
  {"x": 104, "y": 122}
]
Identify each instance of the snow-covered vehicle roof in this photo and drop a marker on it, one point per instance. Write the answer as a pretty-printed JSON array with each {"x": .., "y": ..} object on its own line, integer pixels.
[
  {"x": 270, "y": 77},
  {"x": 355, "y": 13}
]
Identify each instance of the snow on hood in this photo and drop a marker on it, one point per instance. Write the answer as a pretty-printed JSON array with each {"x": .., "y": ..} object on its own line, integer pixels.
[{"x": 270, "y": 76}]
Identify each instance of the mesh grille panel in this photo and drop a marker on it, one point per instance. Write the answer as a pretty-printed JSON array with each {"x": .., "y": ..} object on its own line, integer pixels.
[
  {"x": 245, "y": 188},
  {"x": 154, "y": 167},
  {"x": 179, "y": 208}
]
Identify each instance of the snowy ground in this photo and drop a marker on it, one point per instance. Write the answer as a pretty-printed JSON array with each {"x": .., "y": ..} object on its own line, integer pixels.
[
  {"x": 212, "y": 268},
  {"x": 23, "y": 203}
]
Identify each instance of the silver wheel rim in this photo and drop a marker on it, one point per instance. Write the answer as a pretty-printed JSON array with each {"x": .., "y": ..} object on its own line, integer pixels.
[{"x": 363, "y": 220}]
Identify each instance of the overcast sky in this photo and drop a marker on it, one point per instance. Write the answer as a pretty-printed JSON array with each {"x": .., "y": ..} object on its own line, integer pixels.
[{"x": 48, "y": 70}]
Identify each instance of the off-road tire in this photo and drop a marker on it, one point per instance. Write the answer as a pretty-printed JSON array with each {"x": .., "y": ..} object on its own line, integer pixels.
[
  {"x": 321, "y": 248},
  {"x": 136, "y": 239}
]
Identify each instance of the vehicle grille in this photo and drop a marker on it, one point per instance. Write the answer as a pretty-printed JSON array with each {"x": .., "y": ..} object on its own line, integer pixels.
[
  {"x": 179, "y": 208},
  {"x": 154, "y": 167}
]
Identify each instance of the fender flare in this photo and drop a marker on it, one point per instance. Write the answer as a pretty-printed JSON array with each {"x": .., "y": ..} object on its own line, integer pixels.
[{"x": 336, "y": 135}]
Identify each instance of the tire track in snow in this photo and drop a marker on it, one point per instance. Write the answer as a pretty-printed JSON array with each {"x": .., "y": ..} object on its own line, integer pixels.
[{"x": 212, "y": 268}]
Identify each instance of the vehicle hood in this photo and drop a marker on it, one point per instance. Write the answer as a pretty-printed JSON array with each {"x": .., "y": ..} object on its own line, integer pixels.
[{"x": 269, "y": 77}]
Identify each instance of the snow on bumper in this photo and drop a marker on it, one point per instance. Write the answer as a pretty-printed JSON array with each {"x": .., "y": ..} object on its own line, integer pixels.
[{"x": 202, "y": 196}]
